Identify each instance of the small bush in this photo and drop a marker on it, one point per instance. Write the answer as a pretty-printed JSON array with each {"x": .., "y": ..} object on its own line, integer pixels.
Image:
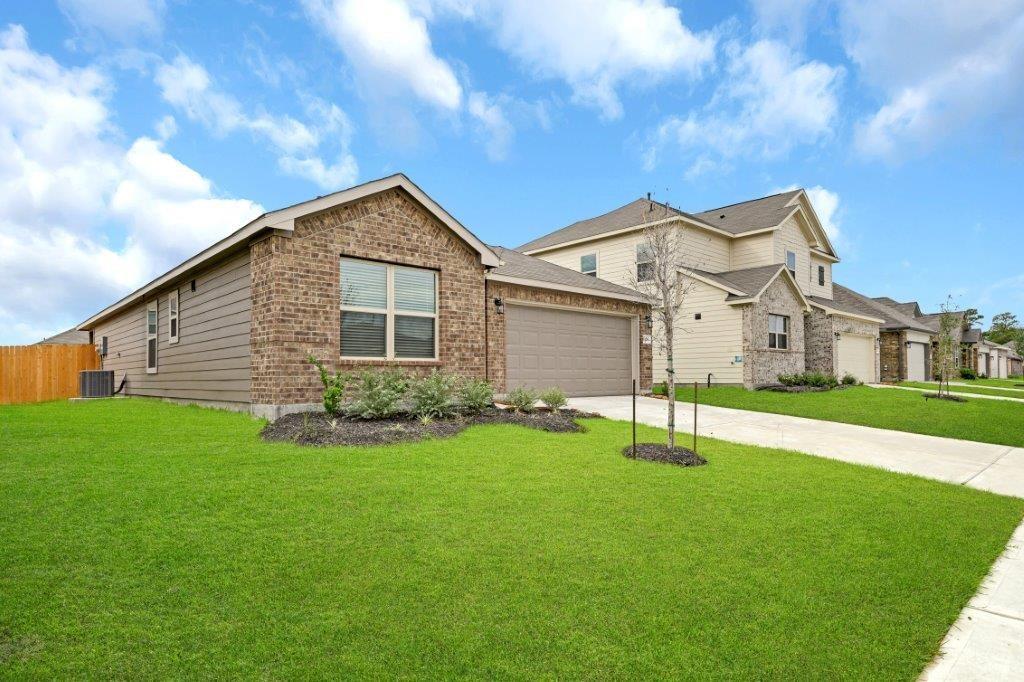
[
  {"x": 813, "y": 379},
  {"x": 968, "y": 373},
  {"x": 849, "y": 380},
  {"x": 334, "y": 386},
  {"x": 432, "y": 396},
  {"x": 554, "y": 398},
  {"x": 521, "y": 399},
  {"x": 380, "y": 393},
  {"x": 475, "y": 395}
]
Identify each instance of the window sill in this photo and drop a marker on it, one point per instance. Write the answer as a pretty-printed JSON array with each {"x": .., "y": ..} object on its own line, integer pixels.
[{"x": 377, "y": 362}]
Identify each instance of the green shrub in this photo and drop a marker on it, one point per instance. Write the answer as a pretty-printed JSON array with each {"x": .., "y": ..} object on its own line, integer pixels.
[
  {"x": 475, "y": 395},
  {"x": 849, "y": 380},
  {"x": 334, "y": 386},
  {"x": 554, "y": 398},
  {"x": 432, "y": 396},
  {"x": 521, "y": 399},
  {"x": 380, "y": 394},
  {"x": 813, "y": 379},
  {"x": 968, "y": 373}
]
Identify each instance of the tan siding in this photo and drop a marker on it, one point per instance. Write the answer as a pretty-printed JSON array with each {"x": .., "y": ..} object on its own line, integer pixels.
[
  {"x": 815, "y": 289},
  {"x": 709, "y": 344},
  {"x": 752, "y": 252},
  {"x": 211, "y": 360},
  {"x": 616, "y": 256},
  {"x": 790, "y": 237}
]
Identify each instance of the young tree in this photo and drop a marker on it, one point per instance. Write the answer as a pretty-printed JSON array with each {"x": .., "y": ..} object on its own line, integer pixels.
[
  {"x": 661, "y": 254},
  {"x": 946, "y": 344}
]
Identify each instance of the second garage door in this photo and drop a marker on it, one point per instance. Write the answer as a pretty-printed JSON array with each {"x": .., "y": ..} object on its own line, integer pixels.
[
  {"x": 857, "y": 357},
  {"x": 916, "y": 354},
  {"x": 581, "y": 353}
]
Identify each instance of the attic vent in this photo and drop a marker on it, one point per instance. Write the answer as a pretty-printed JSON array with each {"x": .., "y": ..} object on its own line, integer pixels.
[{"x": 722, "y": 216}]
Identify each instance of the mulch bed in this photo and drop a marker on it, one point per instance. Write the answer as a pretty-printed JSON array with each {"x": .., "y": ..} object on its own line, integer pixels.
[
  {"x": 951, "y": 398},
  {"x": 318, "y": 428},
  {"x": 779, "y": 388},
  {"x": 657, "y": 452}
]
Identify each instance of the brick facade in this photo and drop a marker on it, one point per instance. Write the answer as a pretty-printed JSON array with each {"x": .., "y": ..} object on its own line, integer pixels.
[
  {"x": 515, "y": 292},
  {"x": 763, "y": 365},
  {"x": 892, "y": 356},
  {"x": 296, "y": 293},
  {"x": 296, "y": 299},
  {"x": 821, "y": 330}
]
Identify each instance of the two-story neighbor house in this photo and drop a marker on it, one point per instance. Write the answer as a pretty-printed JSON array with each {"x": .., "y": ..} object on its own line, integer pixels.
[{"x": 761, "y": 299}]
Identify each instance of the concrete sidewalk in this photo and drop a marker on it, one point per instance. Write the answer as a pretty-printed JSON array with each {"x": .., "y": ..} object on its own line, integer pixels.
[
  {"x": 987, "y": 640},
  {"x": 998, "y": 468},
  {"x": 983, "y": 396}
]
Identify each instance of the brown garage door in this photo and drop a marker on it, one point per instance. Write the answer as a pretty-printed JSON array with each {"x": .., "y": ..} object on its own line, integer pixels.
[{"x": 581, "y": 353}]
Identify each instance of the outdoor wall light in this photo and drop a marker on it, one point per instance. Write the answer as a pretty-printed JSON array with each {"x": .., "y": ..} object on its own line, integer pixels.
[
  {"x": 499, "y": 306},
  {"x": 648, "y": 320},
  {"x": 837, "y": 335}
]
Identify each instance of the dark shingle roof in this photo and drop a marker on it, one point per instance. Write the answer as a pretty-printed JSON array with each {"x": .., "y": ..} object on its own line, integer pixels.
[
  {"x": 848, "y": 300},
  {"x": 746, "y": 216},
  {"x": 911, "y": 308},
  {"x": 748, "y": 280},
  {"x": 519, "y": 265},
  {"x": 68, "y": 336},
  {"x": 632, "y": 214}
]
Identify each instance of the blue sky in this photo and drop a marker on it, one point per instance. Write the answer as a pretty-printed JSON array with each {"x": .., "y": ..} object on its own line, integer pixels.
[{"x": 135, "y": 132}]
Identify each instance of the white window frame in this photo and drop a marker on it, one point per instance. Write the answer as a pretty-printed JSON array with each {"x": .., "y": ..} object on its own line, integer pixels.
[
  {"x": 591, "y": 273},
  {"x": 152, "y": 307},
  {"x": 643, "y": 262},
  {"x": 783, "y": 335},
  {"x": 792, "y": 269},
  {"x": 390, "y": 313},
  {"x": 173, "y": 314}
]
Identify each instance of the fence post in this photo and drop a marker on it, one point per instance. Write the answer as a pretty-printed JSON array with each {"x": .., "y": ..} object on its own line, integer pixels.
[
  {"x": 695, "y": 417},
  {"x": 634, "y": 418}
]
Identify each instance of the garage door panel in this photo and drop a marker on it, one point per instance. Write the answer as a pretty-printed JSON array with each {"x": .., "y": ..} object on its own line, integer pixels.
[
  {"x": 581, "y": 353},
  {"x": 857, "y": 356},
  {"x": 916, "y": 362}
]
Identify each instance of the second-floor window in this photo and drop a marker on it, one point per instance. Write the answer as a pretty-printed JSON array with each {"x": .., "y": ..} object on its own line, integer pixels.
[
  {"x": 388, "y": 311},
  {"x": 644, "y": 263},
  {"x": 821, "y": 275},
  {"x": 791, "y": 262},
  {"x": 588, "y": 264},
  {"x": 778, "y": 332}
]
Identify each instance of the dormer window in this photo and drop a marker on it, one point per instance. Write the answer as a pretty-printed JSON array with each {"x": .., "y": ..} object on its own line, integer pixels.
[
  {"x": 588, "y": 264},
  {"x": 791, "y": 262}
]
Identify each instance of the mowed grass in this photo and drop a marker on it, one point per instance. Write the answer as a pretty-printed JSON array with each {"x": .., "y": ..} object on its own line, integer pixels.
[
  {"x": 986, "y": 421},
  {"x": 145, "y": 540},
  {"x": 1012, "y": 382},
  {"x": 972, "y": 388}
]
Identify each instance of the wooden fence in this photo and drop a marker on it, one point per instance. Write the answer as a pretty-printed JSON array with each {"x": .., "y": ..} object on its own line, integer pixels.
[{"x": 31, "y": 374}]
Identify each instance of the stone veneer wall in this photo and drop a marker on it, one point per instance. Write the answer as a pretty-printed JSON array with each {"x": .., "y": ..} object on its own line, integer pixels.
[
  {"x": 296, "y": 293},
  {"x": 893, "y": 356},
  {"x": 763, "y": 365},
  {"x": 515, "y": 292}
]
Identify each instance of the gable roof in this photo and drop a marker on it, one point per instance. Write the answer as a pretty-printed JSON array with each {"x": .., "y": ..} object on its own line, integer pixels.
[
  {"x": 931, "y": 320},
  {"x": 632, "y": 215},
  {"x": 747, "y": 284},
  {"x": 910, "y": 308},
  {"x": 68, "y": 336},
  {"x": 892, "y": 317},
  {"x": 518, "y": 268},
  {"x": 756, "y": 214},
  {"x": 283, "y": 220}
]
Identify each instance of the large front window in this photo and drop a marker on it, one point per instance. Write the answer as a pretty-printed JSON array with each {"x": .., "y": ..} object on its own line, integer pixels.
[
  {"x": 387, "y": 311},
  {"x": 778, "y": 332}
]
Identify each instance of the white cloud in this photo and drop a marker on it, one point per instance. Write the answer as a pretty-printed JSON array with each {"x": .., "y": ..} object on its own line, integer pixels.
[
  {"x": 82, "y": 219},
  {"x": 770, "y": 101},
  {"x": 942, "y": 66},
  {"x": 188, "y": 86},
  {"x": 598, "y": 46},
  {"x": 826, "y": 205},
  {"x": 390, "y": 48},
  {"x": 121, "y": 20},
  {"x": 492, "y": 124},
  {"x": 784, "y": 19}
]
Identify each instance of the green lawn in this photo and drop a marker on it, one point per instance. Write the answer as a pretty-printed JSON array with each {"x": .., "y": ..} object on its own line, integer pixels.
[
  {"x": 986, "y": 421},
  {"x": 977, "y": 389},
  {"x": 996, "y": 383},
  {"x": 145, "y": 540}
]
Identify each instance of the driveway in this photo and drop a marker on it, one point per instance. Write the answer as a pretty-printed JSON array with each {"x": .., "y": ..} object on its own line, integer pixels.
[
  {"x": 987, "y": 640},
  {"x": 997, "y": 468}
]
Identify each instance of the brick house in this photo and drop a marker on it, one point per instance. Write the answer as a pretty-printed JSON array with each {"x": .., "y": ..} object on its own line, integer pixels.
[
  {"x": 375, "y": 275},
  {"x": 761, "y": 298}
]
